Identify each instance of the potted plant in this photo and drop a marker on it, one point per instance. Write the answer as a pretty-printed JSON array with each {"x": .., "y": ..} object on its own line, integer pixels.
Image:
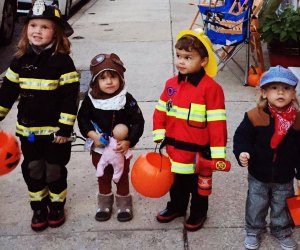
[{"x": 281, "y": 31}]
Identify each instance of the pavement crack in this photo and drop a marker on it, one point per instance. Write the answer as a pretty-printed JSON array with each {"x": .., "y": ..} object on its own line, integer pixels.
[{"x": 185, "y": 239}]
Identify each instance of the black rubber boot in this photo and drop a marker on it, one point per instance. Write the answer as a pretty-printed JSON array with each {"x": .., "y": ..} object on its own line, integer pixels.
[
  {"x": 56, "y": 217},
  {"x": 194, "y": 222},
  {"x": 39, "y": 219},
  {"x": 168, "y": 215}
]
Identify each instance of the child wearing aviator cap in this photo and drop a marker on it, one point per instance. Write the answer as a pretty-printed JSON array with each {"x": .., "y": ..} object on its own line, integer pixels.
[
  {"x": 106, "y": 105},
  {"x": 267, "y": 142}
]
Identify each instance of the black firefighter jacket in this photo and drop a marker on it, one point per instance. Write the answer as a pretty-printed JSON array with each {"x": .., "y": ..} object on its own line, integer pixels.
[
  {"x": 48, "y": 87},
  {"x": 131, "y": 115}
]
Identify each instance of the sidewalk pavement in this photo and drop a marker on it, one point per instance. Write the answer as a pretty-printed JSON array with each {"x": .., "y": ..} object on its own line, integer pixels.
[{"x": 142, "y": 33}]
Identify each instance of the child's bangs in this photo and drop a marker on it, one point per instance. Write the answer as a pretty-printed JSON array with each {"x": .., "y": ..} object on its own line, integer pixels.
[
  {"x": 110, "y": 73},
  {"x": 190, "y": 43},
  {"x": 185, "y": 43}
]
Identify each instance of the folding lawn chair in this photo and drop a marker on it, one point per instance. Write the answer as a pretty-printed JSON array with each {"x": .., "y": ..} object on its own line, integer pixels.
[
  {"x": 228, "y": 27},
  {"x": 209, "y": 5},
  {"x": 212, "y": 3},
  {"x": 255, "y": 43}
]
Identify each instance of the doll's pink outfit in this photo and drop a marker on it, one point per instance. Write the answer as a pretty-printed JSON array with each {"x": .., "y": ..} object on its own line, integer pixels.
[{"x": 110, "y": 156}]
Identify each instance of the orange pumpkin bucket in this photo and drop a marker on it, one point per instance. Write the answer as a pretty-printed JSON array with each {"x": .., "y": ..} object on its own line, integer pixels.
[
  {"x": 293, "y": 204},
  {"x": 9, "y": 153},
  {"x": 151, "y": 175}
]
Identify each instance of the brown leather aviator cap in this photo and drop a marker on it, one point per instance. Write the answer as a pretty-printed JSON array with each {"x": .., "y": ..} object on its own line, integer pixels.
[{"x": 102, "y": 62}]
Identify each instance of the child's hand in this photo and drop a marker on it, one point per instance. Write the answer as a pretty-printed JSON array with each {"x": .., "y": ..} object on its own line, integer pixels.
[
  {"x": 244, "y": 157},
  {"x": 98, "y": 141},
  {"x": 60, "y": 139},
  {"x": 96, "y": 138},
  {"x": 122, "y": 146}
]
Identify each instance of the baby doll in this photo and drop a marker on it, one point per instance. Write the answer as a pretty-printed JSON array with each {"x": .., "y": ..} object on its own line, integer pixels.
[{"x": 111, "y": 156}]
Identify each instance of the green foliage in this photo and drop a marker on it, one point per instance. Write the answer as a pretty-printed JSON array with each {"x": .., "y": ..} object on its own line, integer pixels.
[
  {"x": 282, "y": 27},
  {"x": 269, "y": 7}
]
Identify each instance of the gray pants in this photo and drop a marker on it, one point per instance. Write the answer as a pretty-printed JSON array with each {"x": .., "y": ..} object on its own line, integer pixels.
[{"x": 262, "y": 196}]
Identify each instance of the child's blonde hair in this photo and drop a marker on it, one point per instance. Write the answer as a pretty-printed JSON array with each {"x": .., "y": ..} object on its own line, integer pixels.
[{"x": 61, "y": 42}]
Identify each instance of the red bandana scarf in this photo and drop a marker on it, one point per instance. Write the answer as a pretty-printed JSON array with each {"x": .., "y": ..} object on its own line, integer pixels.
[{"x": 283, "y": 121}]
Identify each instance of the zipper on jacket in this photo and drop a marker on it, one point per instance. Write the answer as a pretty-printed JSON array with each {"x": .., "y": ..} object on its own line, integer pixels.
[
  {"x": 274, "y": 160},
  {"x": 274, "y": 156}
]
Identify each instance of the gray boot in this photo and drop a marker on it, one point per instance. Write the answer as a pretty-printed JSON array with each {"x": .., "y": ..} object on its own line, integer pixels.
[
  {"x": 105, "y": 202},
  {"x": 124, "y": 205}
]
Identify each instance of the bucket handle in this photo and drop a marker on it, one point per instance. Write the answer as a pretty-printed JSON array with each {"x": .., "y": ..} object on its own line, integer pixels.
[{"x": 161, "y": 146}]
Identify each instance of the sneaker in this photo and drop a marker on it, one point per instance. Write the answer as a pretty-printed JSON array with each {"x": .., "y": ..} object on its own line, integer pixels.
[
  {"x": 56, "y": 217},
  {"x": 252, "y": 241},
  {"x": 39, "y": 220},
  {"x": 103, "y": 215},
  {"x": 168, "y": 215},
  {"x": 194, "y": 223},
  {"x": 287, "y": 243}
]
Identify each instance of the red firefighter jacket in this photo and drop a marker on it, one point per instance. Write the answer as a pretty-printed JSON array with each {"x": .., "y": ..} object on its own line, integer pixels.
[{"x": 190, "y": 116}]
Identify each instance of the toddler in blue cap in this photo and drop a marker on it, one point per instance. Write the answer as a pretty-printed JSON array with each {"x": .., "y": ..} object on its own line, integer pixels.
[{"x": 267, "y": 142}]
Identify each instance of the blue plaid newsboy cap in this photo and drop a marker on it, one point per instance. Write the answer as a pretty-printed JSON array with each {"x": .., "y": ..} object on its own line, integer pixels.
[{"x": 279, "y": 74}]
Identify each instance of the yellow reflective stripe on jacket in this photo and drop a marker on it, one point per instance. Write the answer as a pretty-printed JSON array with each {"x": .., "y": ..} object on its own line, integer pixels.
[
  {"x": 216, "y": 115},
  {"x": 182, "y": 168},
  {"x": 58, "y": 197},
  {"x": 218, "y": 152},
  {"x": 158, "y": 134},
  {"x": 175, "y": 111},
  {"x": 161, "y": 106},
  {"x": 69, "y": 78},
  {"x": 67, "y": 119},
  {"x": 25, "y": 131},
  {"x": 197, "y": 112},
  {"x": 188, "y": 114},
  {"x": 3, "y": 111},
  {"x": 38, "y": 84},
  {"x": 12, "y": 76},
  {"x": 180, "y": 113},
  {"x": 38, "y": 196}
]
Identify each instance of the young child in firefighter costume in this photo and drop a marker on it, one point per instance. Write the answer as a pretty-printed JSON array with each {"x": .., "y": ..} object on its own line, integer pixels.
[
  {"x": 190, "y": 119},
  {"x": 267, "y": 142},
  {"x": 106, "y": 105},
  {"x": 43, "y": 75}
]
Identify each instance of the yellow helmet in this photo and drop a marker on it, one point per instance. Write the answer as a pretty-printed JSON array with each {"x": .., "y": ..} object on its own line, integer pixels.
[{"x": 211, "y": 67}]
